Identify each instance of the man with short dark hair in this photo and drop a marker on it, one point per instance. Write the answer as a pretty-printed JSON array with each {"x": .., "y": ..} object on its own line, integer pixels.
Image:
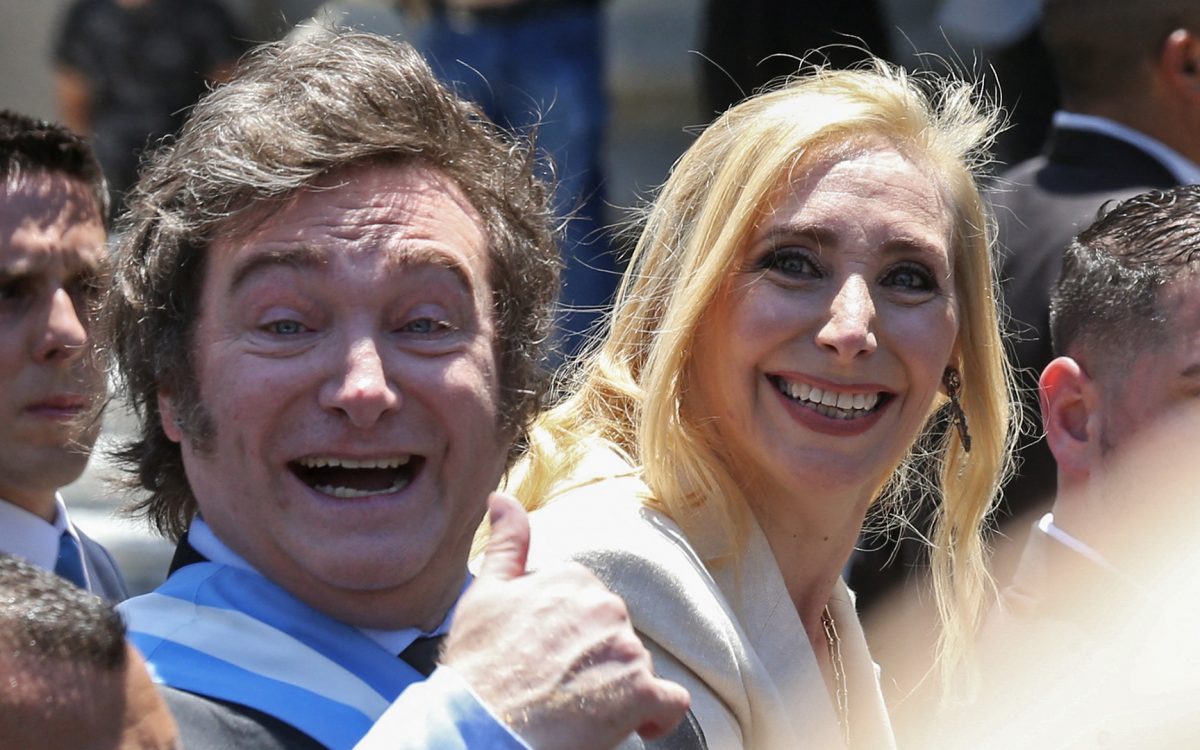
[
  {"x": 1093, "y": 644},
  {"x": 329, "y": 310},
  {"x": 1129, "y": 75},
  {"x": 52, "y": 250},
  {"x": 1124, "y": 320},
  {"x": 70, "y": 680}
]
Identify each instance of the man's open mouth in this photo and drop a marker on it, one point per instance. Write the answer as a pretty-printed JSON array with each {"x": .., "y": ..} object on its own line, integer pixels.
[
  {"x": 828, "y": 403},
  {"x": 350, "y": 478}
]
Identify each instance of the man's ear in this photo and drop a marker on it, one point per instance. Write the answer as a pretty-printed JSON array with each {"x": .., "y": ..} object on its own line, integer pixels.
[
  {"x": 1069, "y": 399},
  {"x": 1179, "y": 62},
  {"x": 168, "y": 419}
]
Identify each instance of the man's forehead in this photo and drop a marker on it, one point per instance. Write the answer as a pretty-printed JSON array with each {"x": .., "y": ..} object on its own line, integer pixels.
[
  {"x": 39, "y": 209},
  {"x": 401, "y": 186},
  {"x": 396, "y": 216},
  {"x": 39, "y": 193}
]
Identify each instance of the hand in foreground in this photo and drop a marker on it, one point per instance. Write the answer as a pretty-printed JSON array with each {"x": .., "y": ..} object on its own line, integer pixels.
[{"x": 552, "y": 653}]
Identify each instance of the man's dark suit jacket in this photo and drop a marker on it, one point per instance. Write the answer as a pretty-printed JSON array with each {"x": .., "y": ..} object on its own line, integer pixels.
[
  {"x": 1040, "y": 205},
  {"x": 106, "y": 579}
]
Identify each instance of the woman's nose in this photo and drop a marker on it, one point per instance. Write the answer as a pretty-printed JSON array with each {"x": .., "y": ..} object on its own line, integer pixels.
[{"x": 849, "y": 330}]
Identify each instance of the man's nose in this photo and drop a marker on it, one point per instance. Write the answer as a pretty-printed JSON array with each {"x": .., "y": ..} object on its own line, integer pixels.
[
  {"x": 65, "y": 335},
  {"x": 361, "y": 389},
  {"x": 849, "y": 331}
]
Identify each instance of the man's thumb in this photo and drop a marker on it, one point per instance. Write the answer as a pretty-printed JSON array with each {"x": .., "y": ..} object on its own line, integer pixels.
[{"x": 509, "y": 543}]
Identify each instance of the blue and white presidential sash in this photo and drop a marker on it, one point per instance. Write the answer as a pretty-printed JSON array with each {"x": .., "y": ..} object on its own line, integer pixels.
[{"x": 230, "y": 634}]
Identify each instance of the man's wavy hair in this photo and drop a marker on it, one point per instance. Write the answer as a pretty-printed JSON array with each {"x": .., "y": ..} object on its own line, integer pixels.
[{"x": 295, "y": 111}]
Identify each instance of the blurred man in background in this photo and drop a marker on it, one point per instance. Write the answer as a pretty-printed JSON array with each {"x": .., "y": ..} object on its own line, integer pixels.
[{"x": 127, "y": 71}]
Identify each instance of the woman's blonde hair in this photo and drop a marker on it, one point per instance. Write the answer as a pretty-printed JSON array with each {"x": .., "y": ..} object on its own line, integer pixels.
[{"x": 629, "y": 391}]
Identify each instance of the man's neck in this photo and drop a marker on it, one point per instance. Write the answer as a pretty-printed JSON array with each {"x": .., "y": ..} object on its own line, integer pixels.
[{"x": 1167, "y": 126}]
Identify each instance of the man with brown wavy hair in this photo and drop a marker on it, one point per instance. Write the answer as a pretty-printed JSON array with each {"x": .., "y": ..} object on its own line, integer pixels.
[{"x": 328, "y": 313}]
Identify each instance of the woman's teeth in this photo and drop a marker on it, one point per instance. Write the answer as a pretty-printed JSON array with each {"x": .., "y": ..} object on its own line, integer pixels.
[{"x": 827, "y": 402}]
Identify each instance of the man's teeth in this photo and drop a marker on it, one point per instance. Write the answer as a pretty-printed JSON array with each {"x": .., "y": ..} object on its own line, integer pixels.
[
  {"x": 320, "y": 462},
  {"x": 347, "y": 492},
  {"x": 354, "y": 478},
  {"x": 830, "y": 403}
]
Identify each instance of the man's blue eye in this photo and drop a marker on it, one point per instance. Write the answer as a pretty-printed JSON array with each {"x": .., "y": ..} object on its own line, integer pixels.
[
  {"x": 424, "y": 325},
  {"x": 286, "y": 327}
]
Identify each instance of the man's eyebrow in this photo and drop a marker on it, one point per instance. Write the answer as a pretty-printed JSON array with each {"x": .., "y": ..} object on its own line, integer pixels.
[
  {"x": 409, "y": 257},
  {"x": 1192, "y": 371},
  {"x": 14, "y": 271},
  {"x": 299, "y": 258},
  {"x": 24, "y": 267}
]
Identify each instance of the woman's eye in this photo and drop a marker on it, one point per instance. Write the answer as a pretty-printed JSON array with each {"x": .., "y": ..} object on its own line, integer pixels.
[
  {"x": 790, "y": 262},
  {"x": 911, "y": 277},
  {"x": 286, "y": 327}
]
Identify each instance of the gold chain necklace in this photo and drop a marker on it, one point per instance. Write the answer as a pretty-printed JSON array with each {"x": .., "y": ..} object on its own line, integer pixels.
[{"x": 841, "y": 694}]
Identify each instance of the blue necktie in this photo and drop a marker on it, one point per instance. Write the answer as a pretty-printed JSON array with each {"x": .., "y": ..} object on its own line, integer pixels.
[{"x": 70, "y": 561}]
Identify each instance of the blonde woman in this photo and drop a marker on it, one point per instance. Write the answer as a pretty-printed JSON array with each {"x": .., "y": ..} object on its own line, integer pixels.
[{"x": 812, "y": 286}]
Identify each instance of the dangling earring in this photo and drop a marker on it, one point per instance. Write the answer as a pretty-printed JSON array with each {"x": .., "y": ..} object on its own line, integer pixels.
[{"x": 953, "y": 382}]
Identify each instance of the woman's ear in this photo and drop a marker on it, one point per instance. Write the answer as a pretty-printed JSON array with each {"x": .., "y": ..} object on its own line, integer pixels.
[
  {"x": 168, "y": 419},
  {"x": 1069, "y": 399}
]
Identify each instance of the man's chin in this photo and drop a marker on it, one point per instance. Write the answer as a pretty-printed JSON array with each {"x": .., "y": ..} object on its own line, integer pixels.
[
  {"x": 373, "y": 591},
  {"x": 53, "y": 467}
]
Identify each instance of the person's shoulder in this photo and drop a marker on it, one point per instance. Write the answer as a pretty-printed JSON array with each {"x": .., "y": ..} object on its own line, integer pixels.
[
  {"x": 603, "y": 522},
  {"x": 603, "y": 511},
  {"x": 210, "y": 724},
  {"x": 104, "y": 567}
]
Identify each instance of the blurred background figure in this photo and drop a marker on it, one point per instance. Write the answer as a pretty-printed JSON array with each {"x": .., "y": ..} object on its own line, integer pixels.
[
  {"x": 1129, "y": 74},
  {"x": 746, "y": 43},
  {"x": 1002, "y": 41},
  {"x": 127, "y": 71},
  {"x": 538, "y": 67},
  {"x": 1125, "y": 324},
  {"x": 71, "y": 682},
  {"x": 1094, "y": 643}
]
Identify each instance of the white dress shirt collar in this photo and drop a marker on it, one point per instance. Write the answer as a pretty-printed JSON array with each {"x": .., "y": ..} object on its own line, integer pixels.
[
  {"x": 31, "y": 537},
  {"x": 203, "y": 540},
  {"x": 1046, "y": 526},
  {"x": 1185, "y": 170}
]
